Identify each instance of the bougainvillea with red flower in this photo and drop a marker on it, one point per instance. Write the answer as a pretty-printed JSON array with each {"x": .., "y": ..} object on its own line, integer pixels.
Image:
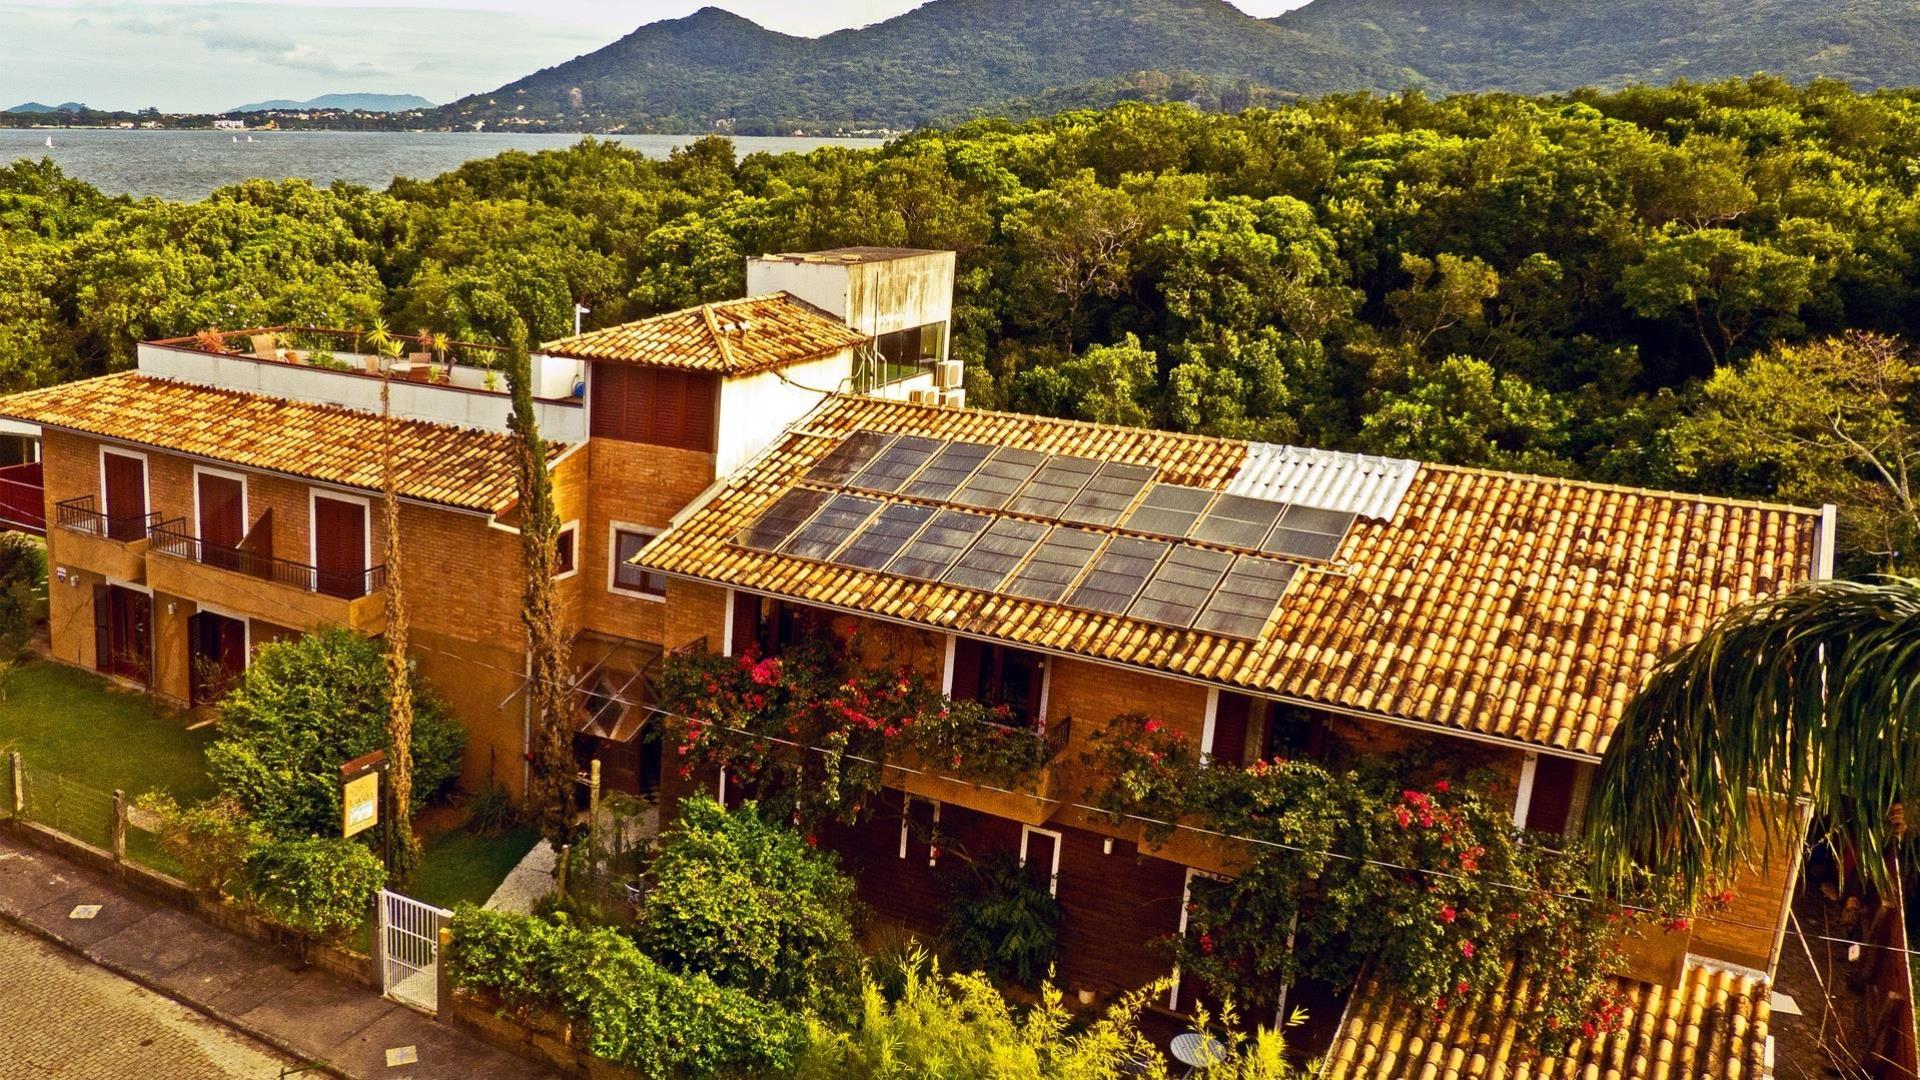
[{"x": 1429, "y": 888}]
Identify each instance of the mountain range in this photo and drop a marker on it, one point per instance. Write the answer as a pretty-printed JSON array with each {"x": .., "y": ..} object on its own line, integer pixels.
[
  {"x": 37, "y": 107},
  {"x": 362, "y": 102},
  {"x": 950, "y": 58}
]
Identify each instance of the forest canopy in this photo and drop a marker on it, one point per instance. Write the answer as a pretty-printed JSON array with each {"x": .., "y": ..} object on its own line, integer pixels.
[{"x": 1661, "y": 286}]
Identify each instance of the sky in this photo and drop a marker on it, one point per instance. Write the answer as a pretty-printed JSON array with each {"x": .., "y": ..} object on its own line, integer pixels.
[{"x": 212, "y": 56}]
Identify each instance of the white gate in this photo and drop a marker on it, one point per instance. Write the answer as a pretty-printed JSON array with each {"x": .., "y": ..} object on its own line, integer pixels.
[{"x": 408, "y": 941}]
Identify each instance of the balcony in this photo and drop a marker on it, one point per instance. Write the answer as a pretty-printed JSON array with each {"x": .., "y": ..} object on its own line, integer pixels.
[
  {"x": 89, "y": 539},
  {"x": 435, "y": 380},
  {"x": 1010, "y": 772},
  {"x": 280, "y": 591}
]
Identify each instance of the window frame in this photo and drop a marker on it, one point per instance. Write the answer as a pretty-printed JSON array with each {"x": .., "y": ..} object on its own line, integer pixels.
[
  {"x": 570, "y": 530},
  {"x": 614, "y": 529}
]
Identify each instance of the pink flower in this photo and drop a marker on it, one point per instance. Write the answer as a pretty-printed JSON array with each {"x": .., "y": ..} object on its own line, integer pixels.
[
  {"x": 1206, "y": 944},
  {"x": 1153, "y": 725},
  {"x": 1402, "y": 815},
  {"x": 1443, "y": 787},
  {"x": 1447, "y": 913},
  {"x": 766, "y": 672},
  {"x": 1466, "y": 949}
]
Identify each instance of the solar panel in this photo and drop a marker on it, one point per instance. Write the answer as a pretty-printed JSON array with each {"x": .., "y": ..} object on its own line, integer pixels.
[
  {"x": 849, "y": 457},
  {"x": 1055, "y": 563},
  {"x": 1169, "y": 509},
  {"x": 1119, "y": 573},
  {"x": 1237, "y": 521},
  {"x": 1177, "y": 591},
  {"x": 1309, "y": 532},
  {"x": 831, "y": 527},
  {"x": 1245, "y": 599},
  {"x": 939, "y": 544},
  {"x": 876, "y": 545},
  {"x": 992, "y": 557},
  {"x": 890, "y": 468},
  {"x": 1055, "y": 485},
  {"x": 1108, "y": 494},
  {"x": 778, "y": 521},
  {"x": 948, "y": 470},
  {"x": 999, "y": 477}
]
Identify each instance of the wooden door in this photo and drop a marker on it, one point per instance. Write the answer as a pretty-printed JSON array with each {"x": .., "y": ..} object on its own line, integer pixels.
[
  {"x": 223, "y": 521},
  {"x": 125, "y": 479},
  {"x": 340, "y": 546},
  {"x": 217, "y": 655},
  {"x": 123, "y": 632}
]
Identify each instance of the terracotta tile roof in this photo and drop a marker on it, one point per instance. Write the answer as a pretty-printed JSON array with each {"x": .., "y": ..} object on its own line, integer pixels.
[
  {"x": 733, "y": 337},
  {"x": 1520, "y": 607},
  {"x": 1715, "y": 1024},
  {"x": 438, "y": 463}
]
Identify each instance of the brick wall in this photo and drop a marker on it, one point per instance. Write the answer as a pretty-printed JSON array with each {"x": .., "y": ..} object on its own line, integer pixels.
[{"x": 640, "y": 485}]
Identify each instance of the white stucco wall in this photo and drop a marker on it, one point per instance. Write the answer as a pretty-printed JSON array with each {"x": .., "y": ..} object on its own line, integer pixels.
[{"x": 755, "y": 409}]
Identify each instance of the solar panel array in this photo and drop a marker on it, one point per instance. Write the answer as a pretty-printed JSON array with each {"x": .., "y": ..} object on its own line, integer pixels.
[{"x": 1110, "y": 538}]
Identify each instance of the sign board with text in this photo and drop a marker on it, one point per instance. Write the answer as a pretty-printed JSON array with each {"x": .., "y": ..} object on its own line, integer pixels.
[{"x": 360, "y": 792}]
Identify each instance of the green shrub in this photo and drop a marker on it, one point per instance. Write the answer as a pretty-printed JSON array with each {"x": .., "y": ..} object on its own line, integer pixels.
[
  {"x": 301, "y": 709},
  {"x": 492, "y": 811},
  {"x": 635, "y": 1013},
  {"x": 323, "y": 887},
  {"x": 750, "y": 904},
  {"x": 212, "y": 841},
  {"x": 1003, "y": 923},
  {"x": 23, "y": 591}
]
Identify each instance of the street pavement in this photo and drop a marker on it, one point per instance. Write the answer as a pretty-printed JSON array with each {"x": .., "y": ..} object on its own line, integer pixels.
[
  {"x": 308, "y": 1015},
  {"x": 61, "y": 1016}
]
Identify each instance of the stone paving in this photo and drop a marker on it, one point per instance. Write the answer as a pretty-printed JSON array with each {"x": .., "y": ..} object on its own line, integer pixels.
[
  {"x": 307, "y": 1015},
  {"x": 61, "y": 1016}
]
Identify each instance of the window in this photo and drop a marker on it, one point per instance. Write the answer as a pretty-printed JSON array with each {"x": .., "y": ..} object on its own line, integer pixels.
[
  {"x": 627, "y": 578},
  {"x": 906, "y": 353},
  {"x": 1248, "y": 729},
  {"x": 997, "y": 675},
  {"x": 1552, "y": 790},
  {"x": 565, "y": 550},
  {"x": 767, "y": 625},
  {"x": 655, "y": 405}
]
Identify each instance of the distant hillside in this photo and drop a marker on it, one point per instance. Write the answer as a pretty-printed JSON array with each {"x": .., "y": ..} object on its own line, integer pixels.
[
  {"x": 952, "y": 58},
  {"x": 36, "y": 107},
  {"x": 1546, "y": 45},
  {"x": 362, "y": 102},
  {"x": 942, "y": 59}
]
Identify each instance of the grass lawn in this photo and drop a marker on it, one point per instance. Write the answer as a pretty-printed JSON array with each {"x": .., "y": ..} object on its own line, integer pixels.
[
  {"x": 459, "y": 866},
  {"x": 81, "y": 727}
]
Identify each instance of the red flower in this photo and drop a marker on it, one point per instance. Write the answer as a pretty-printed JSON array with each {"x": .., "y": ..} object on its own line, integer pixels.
[
  {"x": 1446, "y": 915},
  {"x": 1466, "y": 949},
  {"x": 1153, "y": 725},
  {"x": 1403, "y": 816},
  {"x": 1461, "y": 988},
  {"x": 1588, "y": 1029},
  {"x": 1206, "y": 944},
  {"x": 766, "y": 672},
  {"x": 1442, "y": 787}
]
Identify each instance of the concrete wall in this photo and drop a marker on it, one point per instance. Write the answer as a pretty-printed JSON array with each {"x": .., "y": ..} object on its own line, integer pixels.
[
  {"x": 560, "y": 420},
  {"x": 874, "y": 296},
  {"x": 757, "y": 409}
]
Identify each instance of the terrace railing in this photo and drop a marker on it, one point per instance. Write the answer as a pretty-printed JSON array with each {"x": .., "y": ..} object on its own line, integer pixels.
[
  {"x": 83, "y": 515},
  {"x": 171, "y": 538}
]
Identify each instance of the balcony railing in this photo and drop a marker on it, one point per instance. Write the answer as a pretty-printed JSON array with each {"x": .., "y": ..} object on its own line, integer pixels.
[
  {"x": 82, "y": 514},
  {"x": 171, "y": 538}
]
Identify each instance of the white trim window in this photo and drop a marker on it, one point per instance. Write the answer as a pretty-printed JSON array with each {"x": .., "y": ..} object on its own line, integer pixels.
[
  {"x": 624, "y": 541},
  {"x": 1027, "y": 833},
  {"x": 566, "y": 551}
]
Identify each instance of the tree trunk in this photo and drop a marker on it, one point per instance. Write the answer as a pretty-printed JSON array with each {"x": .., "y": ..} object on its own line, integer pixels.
[{"x": 406, "y": 848}]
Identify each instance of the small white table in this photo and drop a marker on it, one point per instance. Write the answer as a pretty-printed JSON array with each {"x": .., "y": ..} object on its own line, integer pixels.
[{"x": 1195, "y": 1050}]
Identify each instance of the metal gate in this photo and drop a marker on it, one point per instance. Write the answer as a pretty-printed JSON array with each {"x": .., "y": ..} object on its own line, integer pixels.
[{"x": 408, "y": 941}]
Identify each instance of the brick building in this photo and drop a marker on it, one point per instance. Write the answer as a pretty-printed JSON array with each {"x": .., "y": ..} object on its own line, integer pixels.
[{"x": 804, "y": 457}]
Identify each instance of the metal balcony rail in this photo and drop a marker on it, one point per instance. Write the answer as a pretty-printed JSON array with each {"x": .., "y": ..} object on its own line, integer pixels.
[
  {"x": 82, "y": 515},
  {"x": 171, "y": 538}
]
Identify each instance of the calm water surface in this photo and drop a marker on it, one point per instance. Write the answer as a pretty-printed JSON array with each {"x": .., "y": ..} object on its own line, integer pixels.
[{"x": 189, "y": 164}]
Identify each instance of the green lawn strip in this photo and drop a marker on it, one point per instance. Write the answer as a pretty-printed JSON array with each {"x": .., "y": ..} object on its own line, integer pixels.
[
  {"x": 83, "y": 729},
  {"x": 459, "y": 866}
]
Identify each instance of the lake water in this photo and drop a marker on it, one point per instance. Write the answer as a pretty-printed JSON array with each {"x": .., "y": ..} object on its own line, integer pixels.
[{"x": 189, "y": 164}]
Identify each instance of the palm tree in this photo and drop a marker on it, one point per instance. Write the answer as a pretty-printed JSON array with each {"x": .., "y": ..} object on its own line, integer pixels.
[{"x": 1812, "y": 694}]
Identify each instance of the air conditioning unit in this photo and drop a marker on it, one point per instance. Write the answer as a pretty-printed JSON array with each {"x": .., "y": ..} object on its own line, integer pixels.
[
  {"x": 923, "y": 397},
  {"x": 955, "y": 398},
  {"x": 948, "y": 374}
]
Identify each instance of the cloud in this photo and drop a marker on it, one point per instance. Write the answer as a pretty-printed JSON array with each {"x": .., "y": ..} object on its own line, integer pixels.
[{"x": 309, "y": 58}]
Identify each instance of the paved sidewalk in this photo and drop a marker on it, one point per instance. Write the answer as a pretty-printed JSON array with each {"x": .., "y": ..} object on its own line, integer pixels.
[{"x": 308, "y": 1015}]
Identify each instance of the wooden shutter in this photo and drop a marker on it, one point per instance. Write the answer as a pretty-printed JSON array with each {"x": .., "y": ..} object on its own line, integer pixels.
[
  {"x": 102, "y": 632},
  {"x": 1230, "y": 718},
  {"x": 655, "y": 405},
  {"x": 966, "y": 669},
  {"x": 1553, "y": 781},
  {"x": 222, "y": 515},
  {"x": 126, "y": 491},
  {"x": 340, "y": 546},
  {"x": 746, "y": 623}
]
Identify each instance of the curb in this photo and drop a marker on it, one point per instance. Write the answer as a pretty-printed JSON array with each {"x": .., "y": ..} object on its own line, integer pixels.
[{"x": 220, "y": 1016}]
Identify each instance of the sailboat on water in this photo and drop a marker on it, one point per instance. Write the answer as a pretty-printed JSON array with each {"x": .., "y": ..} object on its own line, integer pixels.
[{"x": 49, "y": 142}]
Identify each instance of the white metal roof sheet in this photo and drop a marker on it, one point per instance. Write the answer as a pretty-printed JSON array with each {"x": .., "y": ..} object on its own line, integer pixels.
[{"x": 1369, "y": 486}]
